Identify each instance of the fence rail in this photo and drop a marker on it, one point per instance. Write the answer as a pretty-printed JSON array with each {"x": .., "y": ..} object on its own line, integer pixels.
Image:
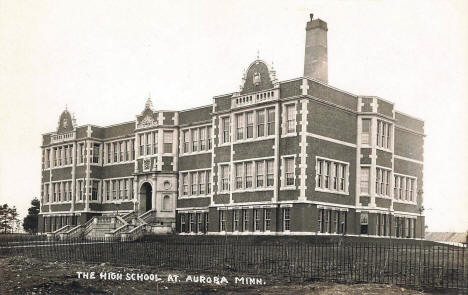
[{"x": 412, "y": 263}]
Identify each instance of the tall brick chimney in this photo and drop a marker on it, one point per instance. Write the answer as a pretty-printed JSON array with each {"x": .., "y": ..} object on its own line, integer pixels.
[{"x": 316, "y": 60}]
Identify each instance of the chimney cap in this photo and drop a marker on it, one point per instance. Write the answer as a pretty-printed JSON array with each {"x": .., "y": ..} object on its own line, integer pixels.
[{"x": 316, "y": 23}]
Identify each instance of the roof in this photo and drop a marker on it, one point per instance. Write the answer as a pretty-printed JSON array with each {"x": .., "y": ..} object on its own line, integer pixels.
[{"x": 447, "y": 237}]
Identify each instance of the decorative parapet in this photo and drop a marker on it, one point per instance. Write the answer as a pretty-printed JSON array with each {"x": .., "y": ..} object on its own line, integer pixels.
[
  {"x": 238, "y": 100},
  {"x": 56, "y": 138}
]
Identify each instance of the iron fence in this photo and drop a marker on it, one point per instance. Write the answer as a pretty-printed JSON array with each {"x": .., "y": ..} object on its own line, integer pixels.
[{"x": 402, "y": 262}]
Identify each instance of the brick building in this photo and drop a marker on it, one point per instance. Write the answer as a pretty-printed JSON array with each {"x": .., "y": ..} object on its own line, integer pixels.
[{"x": 275, "y": 157}]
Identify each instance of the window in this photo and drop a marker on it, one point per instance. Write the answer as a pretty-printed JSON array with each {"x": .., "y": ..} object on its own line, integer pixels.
[
  {"x": 184, "y": 184},
  {"x": 366, "y": 131},
  {"x": 342, "y": 177},
  {"x": 65, "y": 195},
  {"x": 250, "y": 125},
  {"x": 270, "y": 172},
  {"x": 248, "y": 175},
  {"x": 319, "y": 172},
  {"x": 261, "y": 123},
  {"x": 222, "y": 220},
  {"x": 155, "y": 142},
  {"x": 326, "y": 174},
  {"x": 209, "y": 131},
  {"x": 125, "y": 189},
  {"x": 383, "y": 134},
  {"x": 320, "y": 220},
  {"x": 128, "y": 157},
  {"x": 201, "y": 183},
  {"x": 401, "y": 182},
  {"x": 267, "y": 219},
  {"x": 191, "y": 222},
  {"x": 79, "y": 184},
  {"x": 46, "y": 159},
  {"x": 199, "y": 222},
  {"x": 377, "y": 180},
  {"x": 54, "y": 189},
  {"x": 239, "y": 175},
  {"x": 245, "y": 220},
  {"x": 240, "y": 126},
  {"x": 256, "y": 220},
  {"x": 404, "y": 188},
  {"x": 94, "y": 191},
  {"x": 47, "y": 193},
  {"x": 194, "y": 176},
  {"x": 260, "y": 174},
  {"x": 142, "y": 145},
  {"x": 115, "y": 189},
  {"x": 336, "y": 221},
  {"x": 365, "y": 174},
  {"x": 122, "y": 151},
  {"x": 225, "y": 177},
  {"x": 67, "y": 155},
  {"x": 226, "y": 130},
  {"x": 182, "y": 223},
  {"x": 343, "y": 222},
  {"x": 208, "y": 182},
  {"x": 167, "y": 141},
  {"x": 148, "y": 140},
  {"x": 407, "y": 188},
  {"x": 108, "y": 153},
  {"x": 235, "y": 220},
  {"x": 107, "y": 190},
  {"x": 132, "y": 150},
  {"x": 116, "y": 152},
  {"x": 271, "y": 121},
  {"x": 335, "y": 176},
  {"x": 289, "y": 171},
  {"x": 206, "y": 218},
  {"x": 286, "y": 219},
  {"x": 381, "y": 181},
  {"x": 194, "y": 140},
  {"x": 186, "y": 141},
  {"x": 291, "y": 118},
  {"x": 411, "y": 190},
  {"x": 202, "y": 139},
  {"x": 379, "y": 132}
]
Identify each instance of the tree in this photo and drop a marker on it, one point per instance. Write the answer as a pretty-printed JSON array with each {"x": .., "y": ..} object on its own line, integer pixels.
[
  {"x": 30, "y": 222},
  {"x": 8, "y": 218}
]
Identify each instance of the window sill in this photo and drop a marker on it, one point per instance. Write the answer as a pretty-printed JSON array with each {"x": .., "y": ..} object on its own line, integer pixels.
[
  {"x": 118, "y": 163},
  {"x": 255, "y": 139},
  {"x": 194, "y": 197},
  {"x": 196, "y": 153},
  {"x": 405, "y": 202},
  {"x": 58, "y": 167},
  {"x": 253, "y": 190},
  {"x": 290, "y": 134},
  {"x": 58, "y": 203},
  {"x": 117, "y": 201},
  {"x": 382, "y": 196},
  {"x": 288, "y": 188},
  {"x": 383, "y": 149},
  {"x": 331, "y": 191}
]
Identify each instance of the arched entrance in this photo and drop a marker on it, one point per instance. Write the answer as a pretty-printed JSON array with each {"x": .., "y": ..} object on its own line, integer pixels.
[{"x": 146, "y": 200}]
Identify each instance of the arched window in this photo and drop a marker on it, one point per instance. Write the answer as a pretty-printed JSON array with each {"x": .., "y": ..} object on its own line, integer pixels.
[{"x": 166, "y": 203}]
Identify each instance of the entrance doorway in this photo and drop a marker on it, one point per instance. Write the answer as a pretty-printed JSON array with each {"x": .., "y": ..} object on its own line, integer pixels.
[{"x": 146, "y": 200}]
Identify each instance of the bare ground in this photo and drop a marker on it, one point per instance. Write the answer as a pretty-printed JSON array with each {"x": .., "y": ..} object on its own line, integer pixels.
[{"x": 22, "y": 275}]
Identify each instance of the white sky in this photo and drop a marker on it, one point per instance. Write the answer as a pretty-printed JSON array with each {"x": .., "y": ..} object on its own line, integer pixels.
[{"x": 102, "y": 58}]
